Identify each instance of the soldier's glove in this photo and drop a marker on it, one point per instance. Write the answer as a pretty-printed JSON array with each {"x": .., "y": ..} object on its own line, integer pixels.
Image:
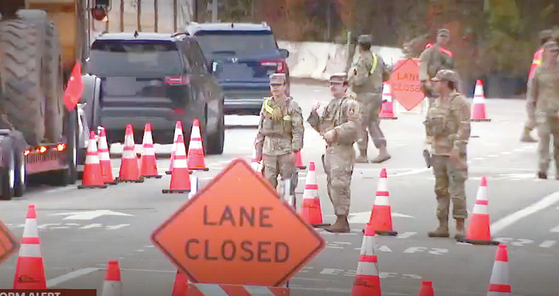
[{"x": 427, "y": 156}]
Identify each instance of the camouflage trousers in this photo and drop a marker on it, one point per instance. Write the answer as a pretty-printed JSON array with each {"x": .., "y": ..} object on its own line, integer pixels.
[
  {"x": 280, "y": 165},
  {"x": 371, "y": 103},
  {"x": 338, "y": 162},
  {"x": 530, "y": 125},
  {"x": 450, "y": 181},
  {"x": 548, "y": 127}
]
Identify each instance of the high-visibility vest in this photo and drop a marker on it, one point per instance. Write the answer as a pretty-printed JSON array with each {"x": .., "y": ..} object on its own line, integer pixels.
[
  {"x": 536, "y": 62},
  {"x": 443, "y": 50}
]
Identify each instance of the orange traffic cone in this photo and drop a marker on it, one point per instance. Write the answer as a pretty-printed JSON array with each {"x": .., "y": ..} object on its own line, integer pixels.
[
  {"x": 478, "y": 108},
  {"x": 92, "y": 171},
  {"x": 148, "y": 162},
  {"x": 178, "y": 131},
  {"x": 367, "y": 279},
  {"x": 311, "y": 211},
  {"x": 180, "y": 177},
  {"x": 129, "y": 166},
  {"x": 499, "y": 282},
  {"x": 196, "y": 158},
  {"x": 105, "y": 158},
  {"x": 479, "y": 232},
  {"x": 30, "y": 269},
  {"x": 112, "y": 285},
  {"x": 181, "y": 284},
  {"x": 426, "y": 289},
  {"x": 381, "y": 214},
  {"x": 299, "y": 162},
  {"x": 256, "y": 166},
  {"x": 387, "y": 108}
]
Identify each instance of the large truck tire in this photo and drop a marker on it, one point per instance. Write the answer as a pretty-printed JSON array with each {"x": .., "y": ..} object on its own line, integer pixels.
[
  {"x": 54, "y": 86},
  {"x": 21, "y": 95}
]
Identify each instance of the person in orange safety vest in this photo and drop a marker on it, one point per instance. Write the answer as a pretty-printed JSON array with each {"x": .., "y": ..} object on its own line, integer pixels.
[{"x": 529, "y": 126}]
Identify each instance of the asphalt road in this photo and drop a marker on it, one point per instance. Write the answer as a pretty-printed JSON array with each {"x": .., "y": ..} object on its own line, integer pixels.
[{"x": 523, "y": 212}]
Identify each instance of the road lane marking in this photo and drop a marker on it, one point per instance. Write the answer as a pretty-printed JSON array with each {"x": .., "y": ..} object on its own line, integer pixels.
[
  {"x": 115, "y": 227},
  {"x": 523, "y": 213},
  {"x": 547, "y": 244},
  {"x": 554, "y": 229},
  {"x": 70, "y": 276}
]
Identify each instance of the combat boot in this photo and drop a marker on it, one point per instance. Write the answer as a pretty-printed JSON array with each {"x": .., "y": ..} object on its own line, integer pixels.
[
  {"x": 340, "y": 226},
  {"x": 441, "y": 231},
  {"x": 362, "y": 158},
  {"x": 460, "y": 230},
  {"x": 382, "y": 156},
  {"x": 526, "y": 137}
]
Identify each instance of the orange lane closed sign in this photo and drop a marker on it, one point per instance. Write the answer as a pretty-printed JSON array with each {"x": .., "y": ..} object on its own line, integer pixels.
[
  {"x": 404, "y": 81},
  {"x": 8, "y": 243},
  {"x": 237, "y": 230}
]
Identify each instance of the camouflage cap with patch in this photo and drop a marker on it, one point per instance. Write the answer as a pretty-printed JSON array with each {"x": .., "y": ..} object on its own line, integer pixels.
[
  {"x": 338, "y": 78},
  {"x": 365, "y": 39},
  {"x": 277, "y": 78},
  {"x": 551, "y": 45},
  {"x": 545, "y": 34},
  {"x": 443, "y": 32},
  {"x": 447, "y": 75}
]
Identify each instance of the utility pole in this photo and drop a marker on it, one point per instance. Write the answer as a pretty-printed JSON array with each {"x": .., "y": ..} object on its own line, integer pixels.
[{"x": 214, "y": 11}]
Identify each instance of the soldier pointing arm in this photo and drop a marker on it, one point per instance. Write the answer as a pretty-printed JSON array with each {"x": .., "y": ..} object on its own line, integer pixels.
[{"x": 340, "y": 126}]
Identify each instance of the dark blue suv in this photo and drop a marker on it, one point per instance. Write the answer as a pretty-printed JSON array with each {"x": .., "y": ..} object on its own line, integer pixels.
[{"x": 245, "y": 55}]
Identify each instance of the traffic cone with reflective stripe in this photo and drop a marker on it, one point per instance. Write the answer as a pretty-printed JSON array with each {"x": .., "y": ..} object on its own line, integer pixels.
[
  {"x": 311, "y": 211},
  {"x": 387, "y": 108},
  {"x": 30, "y": 269},
  {"x": 92, "y": 171},
  {"x": 180, "y": 177},
  {"x": 299, "y": 162},
  {"x": 196, "y": 158},
  {"x": 479, "y": 232},
  {"x": 178, "y": 131},
  {"x": 426, "y": 289},
  {"x": 478, "y": 107},
  {"x": 148, "y": 162},
  {"x": 367, "y": 279},
  {"x": 105, "y": 158},
  {"x": 499, "y": 282},
  {"x": 381, "y": 214},
  {"x": 112, "y": 286},
  {"x": 129, "y": 166},
  {"x": 181, "y": 284}
]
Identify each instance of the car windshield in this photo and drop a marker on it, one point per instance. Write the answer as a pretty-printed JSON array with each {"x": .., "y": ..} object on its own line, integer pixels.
[
  {"x": 236, "y": 43},
  {"x": 134, "y": 58}
]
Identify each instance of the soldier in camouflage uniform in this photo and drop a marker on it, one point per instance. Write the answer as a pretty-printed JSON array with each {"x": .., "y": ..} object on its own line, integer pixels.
[
  {"x": 543, "y": 106},
  {"x": 366, "y": 76},
  {"x": 280, "y": 134},
  {"x": 340, "y": 126},
  {"x": 433, "y": 59},
  {"x": 447, "y": 127},
  {"x": 545, "y": 36}
]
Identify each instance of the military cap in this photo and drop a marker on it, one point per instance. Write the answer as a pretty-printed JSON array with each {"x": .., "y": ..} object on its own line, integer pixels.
[
  {"x": 277, "y": 78},
  {"x": 338, "y": 78},
  {"x": 551, "y": 45},
  {"x": 365, "y": 39},
  {"x": 546, "y": 34},
  {"x": 443, "y": 32},
  {"x": 447, "y": 75}
]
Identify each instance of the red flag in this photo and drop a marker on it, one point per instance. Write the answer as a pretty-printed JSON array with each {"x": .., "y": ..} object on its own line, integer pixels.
[{"x": 74, "y": 89}]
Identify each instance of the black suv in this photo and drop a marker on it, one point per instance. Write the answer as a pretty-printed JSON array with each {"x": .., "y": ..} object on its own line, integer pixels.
[
  {"x": 157, "y": 78},
  {"x": 246, "y": 54}
]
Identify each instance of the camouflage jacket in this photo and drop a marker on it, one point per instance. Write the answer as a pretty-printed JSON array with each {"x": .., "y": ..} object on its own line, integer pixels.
[
  {"x": 447, "y": 125},
  {"x": 280, "y": 130},
  {"x": 431, "y": 61},
  {"x": 343, "y": 115},
  {"x": 367, "y": 73},
  {"x": 543, "y": 92}
]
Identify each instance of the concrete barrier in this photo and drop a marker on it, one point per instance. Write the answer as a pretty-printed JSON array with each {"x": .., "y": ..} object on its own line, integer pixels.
[{"x": 319, "y": 60}]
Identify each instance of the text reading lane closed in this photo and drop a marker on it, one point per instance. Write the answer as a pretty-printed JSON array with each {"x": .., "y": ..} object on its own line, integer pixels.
[{"x": 237, "y": 231}]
